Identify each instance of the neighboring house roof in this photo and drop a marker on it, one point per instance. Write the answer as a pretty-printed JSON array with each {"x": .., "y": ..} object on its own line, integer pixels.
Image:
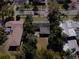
[
  {"x": 71, "y": 45},
  {"x": 75, "y": 24},
  {"x": 71, "y": 32},
  {"x": 69, "y": 27},
  {"x": 41, "y": 23},
  {"x": 14, "y": 38},
  {"x": 70, "y": 24}
]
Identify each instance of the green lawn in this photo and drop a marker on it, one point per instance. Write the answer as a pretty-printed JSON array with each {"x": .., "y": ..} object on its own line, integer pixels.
[
  {"x": 4, "y": 55},
  {"x": 35, "y": 18}
]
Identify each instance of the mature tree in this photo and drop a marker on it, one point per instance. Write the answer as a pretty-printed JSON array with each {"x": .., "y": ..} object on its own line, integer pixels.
[
  {"x": 66, "y": 6},
  {"x": 3, "y": 37},
  {"x": 76, "y": 17},
  {"x": 55, "y": 39},
  {"x": 54, "y": 16},
  {"x": 35, "y": 9},
  {"x": 28, "y": 27},
  {"x": 68, "y": 1},
  {"x": 29, "y": 46},
  {"x": 1, "y": 1},
  {"x": 6, "y": 9},
  {"x": 29, "y": 18},
  {"x": 35, "y": 2},
  {"x": 7, "y": 20},
  {"x": 64, "y": 1},
  {"x": 55, "y": 42},
  {"x": 29, "y": 40},
  {"x": 18, "y": 17},
  {"x": 1, "y": 6}
]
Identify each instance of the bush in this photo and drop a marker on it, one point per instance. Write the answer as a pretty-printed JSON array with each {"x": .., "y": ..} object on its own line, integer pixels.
[
  {"x": 18, "y": 18},
  {"x": 66, "y": 6},
  {"x": 46, "y": 54}
]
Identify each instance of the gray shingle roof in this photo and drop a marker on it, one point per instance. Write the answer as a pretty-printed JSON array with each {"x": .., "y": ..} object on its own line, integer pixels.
[
  {"x": 69, "y": 27},
  {"x": 71, "y": 44},
  {"x": 44, "y": 30}
]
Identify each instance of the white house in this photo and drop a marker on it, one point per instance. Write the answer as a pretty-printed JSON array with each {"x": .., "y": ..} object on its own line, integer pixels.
[
  {"x": 70, "y": 46},
  {"x": 71, "y": 28}
]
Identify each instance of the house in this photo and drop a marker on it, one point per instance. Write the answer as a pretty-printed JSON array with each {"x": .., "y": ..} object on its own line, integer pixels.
[
  {"x": 70, "y": 28},
  {"x": 44, "y": 31},
  {"x": 71, "y": 44},
  {"x": 14, "y": 38},
  {"x": 72, "y": 47},
  {"x": 41, "y": 9},
  {"x": 43, "y": 27}
]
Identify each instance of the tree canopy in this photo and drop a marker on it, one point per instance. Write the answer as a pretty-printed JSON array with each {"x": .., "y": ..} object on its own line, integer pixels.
[
  {"x": 3, "y": 36},
  {"x": 55, "y": 40},
  {"x": 29, "y": 40}
]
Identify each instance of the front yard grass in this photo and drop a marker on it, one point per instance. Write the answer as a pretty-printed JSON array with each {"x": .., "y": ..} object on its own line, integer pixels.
[
  {"x": 4, "y": 55},
  {"x": 42, "y": 43}
]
